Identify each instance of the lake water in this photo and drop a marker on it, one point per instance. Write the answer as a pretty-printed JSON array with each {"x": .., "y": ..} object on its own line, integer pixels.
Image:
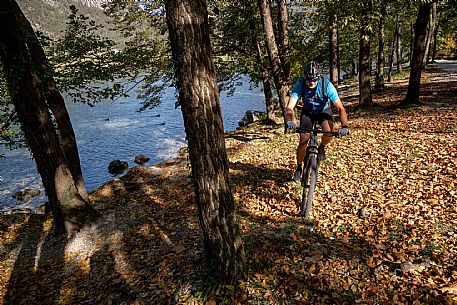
[{"x": 115, "y": 130}]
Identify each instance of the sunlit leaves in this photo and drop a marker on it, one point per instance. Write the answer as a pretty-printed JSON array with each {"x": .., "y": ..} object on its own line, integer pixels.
[{"x": 385, "y": 212}]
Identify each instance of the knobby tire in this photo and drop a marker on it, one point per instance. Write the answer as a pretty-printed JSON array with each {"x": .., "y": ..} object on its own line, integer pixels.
[{"x": 309, "y": 184}]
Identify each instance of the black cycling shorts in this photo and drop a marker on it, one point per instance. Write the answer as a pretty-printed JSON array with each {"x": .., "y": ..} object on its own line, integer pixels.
[{"x": 307, "y": 118}]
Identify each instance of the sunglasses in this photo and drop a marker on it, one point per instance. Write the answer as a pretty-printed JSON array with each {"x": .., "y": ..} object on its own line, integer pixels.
[{"x": 312, "y": 80}]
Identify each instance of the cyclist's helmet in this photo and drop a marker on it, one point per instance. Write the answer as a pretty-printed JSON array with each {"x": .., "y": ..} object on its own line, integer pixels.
[{"x": 312, "y": 70}]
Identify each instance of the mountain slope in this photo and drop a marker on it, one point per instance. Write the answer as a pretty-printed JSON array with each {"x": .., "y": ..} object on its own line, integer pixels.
[{"x": 50, "y": 16}]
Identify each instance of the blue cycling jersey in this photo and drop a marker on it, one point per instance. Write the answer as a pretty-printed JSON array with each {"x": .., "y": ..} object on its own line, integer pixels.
[{"x": 313, "y": 101}]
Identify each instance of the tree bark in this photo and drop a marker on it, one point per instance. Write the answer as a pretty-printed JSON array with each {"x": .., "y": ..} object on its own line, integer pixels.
[
  {"x": 420, "y": 29},
  {"x": 56, "y": 104},
  {"x": 398, "y": 46},
  {"x": 379, "y": 82},
  {"x": 70, "y": 211},
  {"x": 411, "y": 44},
  {"x": 364, "y": 55},
  {"x": 430, "y": 32},
  {"x": 392, "y": 53},
  {"x": 281, "y": 83},
  {"x": 435, "y": 37},
  {"x": 265, "y": 77},
  {"x": 284, "y": 38},
  {"x": 354, "y": 71},
  {"x": 195, "y": 74},
  {"x": 334, "y": 67}
]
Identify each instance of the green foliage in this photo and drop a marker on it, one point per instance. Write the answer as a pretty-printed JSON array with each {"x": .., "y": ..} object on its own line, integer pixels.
[
  {"x": 447, "y": 37},
  {"x": 82, "y": 58},
  {"x": 303, "y": 37},
  {"x": 236, "y": 29},
  {"x": 310, "y": 24},
  {"x": 146, "y": 54},
  {"x": 90, "y": 68},
  {"x": 134, "y": 16},
  {"x": 9, "y": 133},
  {"x": 310, "y": 21}
]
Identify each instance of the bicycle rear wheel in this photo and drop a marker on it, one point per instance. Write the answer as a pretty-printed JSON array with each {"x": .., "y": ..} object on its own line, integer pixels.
[{"x": 309, "y": 180}]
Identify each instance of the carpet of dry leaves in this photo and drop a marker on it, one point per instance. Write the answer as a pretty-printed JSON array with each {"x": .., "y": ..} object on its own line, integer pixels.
[{"x": 383, "y": 231}]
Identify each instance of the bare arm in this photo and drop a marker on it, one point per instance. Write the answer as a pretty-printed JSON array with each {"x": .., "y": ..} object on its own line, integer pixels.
[
  {"x": 343, "y": 114},
  {"x": 290, "y": 115}
]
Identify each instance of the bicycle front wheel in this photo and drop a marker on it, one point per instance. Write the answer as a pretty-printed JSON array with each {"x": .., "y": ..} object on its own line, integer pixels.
[{"x": 309, "y": 180}]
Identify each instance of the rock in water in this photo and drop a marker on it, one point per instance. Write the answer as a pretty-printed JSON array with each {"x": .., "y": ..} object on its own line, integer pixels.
[
  {"x": 250, "y": 117},
  {"x": 117, "y": 166},
  {"x": 26, "y": 194},
  {"x": 141, "y": 159}
]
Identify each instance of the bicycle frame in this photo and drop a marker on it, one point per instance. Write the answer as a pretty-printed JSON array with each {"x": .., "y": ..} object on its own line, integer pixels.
[
  {"x": 312, "y": 148},
  {"x": 309, "y": 175}
]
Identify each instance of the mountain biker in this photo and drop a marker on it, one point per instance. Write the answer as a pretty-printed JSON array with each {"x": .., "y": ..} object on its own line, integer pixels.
[{"x": 316, "y": 106}]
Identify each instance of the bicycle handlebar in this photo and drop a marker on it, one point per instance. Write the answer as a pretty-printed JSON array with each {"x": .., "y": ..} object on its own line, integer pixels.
[{"x": 306, "y": 130}]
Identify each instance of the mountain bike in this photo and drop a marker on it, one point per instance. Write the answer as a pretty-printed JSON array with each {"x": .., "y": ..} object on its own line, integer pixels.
[{"x": 311, "y": 161}]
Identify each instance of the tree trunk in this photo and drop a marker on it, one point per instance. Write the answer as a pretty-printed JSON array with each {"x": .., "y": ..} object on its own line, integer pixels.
[
  {"x": 281, "y": 83},
  {"x": 56, "y": 104},
  {"x": 391, "y": 58},
  {"x": 364, "y": 55},
  {"x": 379, "y": 82},
  {"x": 265, "y": 76},
  {"x": 67, "y": 136},
  {"x": 195, "y": 74},
  {"x": 430, "y": 33},
  {"x": 398, "y": 46},
  {"x": 334, "y": 67},
  {"x": 435, "y": 37},
  {"x": 411, "y": 43},
  {"x": 354, "y": 68},
  {"x": 420, "y": 29},
  {"x": 284, "y": 38},
  {"x": 69, "y": 209}
]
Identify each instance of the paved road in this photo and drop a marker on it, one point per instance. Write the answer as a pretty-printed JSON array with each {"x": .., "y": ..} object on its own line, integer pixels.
[{"x": 448, "y": 65}]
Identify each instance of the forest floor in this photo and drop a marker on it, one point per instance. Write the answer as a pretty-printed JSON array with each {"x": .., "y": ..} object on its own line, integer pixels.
[{"x": 383, "y": 231}]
